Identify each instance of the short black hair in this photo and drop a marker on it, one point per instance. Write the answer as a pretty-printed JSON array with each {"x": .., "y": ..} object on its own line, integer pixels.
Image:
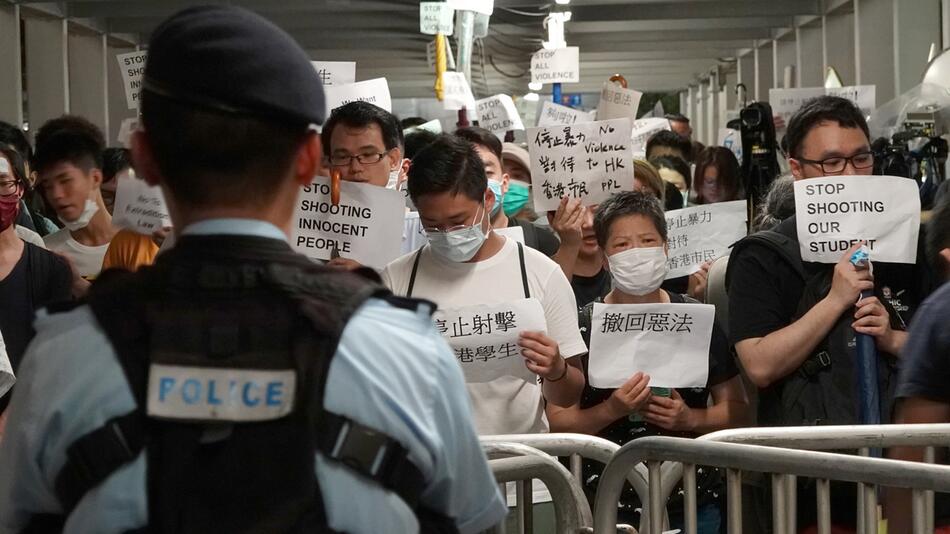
[
  {"x": 71, "y": 139},
  {"x": 624, "y": 204},
  {"x": 361, "y": 114},
  {"x": 447, "y": 165},
  {"x": 675, "y": 163},
  {"x": 678, "y": 117},
  {"x": 820, "y": 109},
  {"x": 669, "y": 138},
  {"x": 416, "y": 141},
  {"x": 937, "y": 233},
  {"x": 16, "y": 163},
  {"x": 213, "y": 158},
  {"x": 114, "y": 161},
  {"x": 481, "y": 137},
  {"x": 411, "y": 122},
  {"x": 16, "y": 137}
]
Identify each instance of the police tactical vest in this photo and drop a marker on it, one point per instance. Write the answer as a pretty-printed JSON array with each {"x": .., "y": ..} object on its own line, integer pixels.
[
  {"x": 823, "y": 389},
  {"x": 226, "y": 344}
]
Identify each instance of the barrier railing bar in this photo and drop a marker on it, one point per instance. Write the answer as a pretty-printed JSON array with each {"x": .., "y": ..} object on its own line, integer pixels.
[
  {"x": 864, "y": 526},
  {"x": 918, "y": 506},
  {"x": 733, "y": 499},
  {"x": 870, "y": 508},
  {"x": 593, "y": 447},
  {"x": 689, "y": 498},
  {"x": 656, "y": 503},
  {"x": 568, "y": 510},
  {"x": 929, "y": 457},
  {"x": 779, "y": 499},
  {"x": 836, "y": 437},
  {"x": 813, "y": 464},
  {"x": 823, "y": 492},
  {"x": 791, "y": 490},
  {"x": 524, "y": 503},
  {"x": 577, "y": 468}
]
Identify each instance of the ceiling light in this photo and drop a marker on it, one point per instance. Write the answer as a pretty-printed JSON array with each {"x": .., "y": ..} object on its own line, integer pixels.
[
  {"x": 535, "y": 86},
  {"x": 562, "y": 2},
  {"x": 532, "y": 97}
]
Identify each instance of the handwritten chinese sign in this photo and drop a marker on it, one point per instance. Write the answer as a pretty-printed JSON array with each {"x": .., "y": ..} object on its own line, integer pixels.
[{"x": 702, "y": 233}]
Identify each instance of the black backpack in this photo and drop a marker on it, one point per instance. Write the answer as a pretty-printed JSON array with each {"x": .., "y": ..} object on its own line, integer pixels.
[
  {"x": 256, "y": 307},
  {"x": 823, "y": 389}
]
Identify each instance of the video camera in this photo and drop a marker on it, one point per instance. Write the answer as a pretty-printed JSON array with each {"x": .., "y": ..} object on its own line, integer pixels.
[
  {"x": 760, "y": 151},
  {"x": 916, "y": 151}
]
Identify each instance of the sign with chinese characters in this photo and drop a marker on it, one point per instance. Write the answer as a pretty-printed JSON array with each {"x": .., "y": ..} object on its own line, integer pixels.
[
  {"x": 702, "y": 233},
  {"x": 669, "y": 342},
  {"x": 335, "y": 72},
  {"x": 617, "y": 102},
  {"x": 834, "y": 213},
  {"x": 485, "y": 338},
  {"x": 560, "y": 65},
  {"x": 553, "y": 114},
  {"x": 365, "y": 226},
  {"x": 643, "y": 130},
  {"x": 589, "y": 161},
  {"x": 785, "y": 102},
  {"x": 456, "y": 93}
]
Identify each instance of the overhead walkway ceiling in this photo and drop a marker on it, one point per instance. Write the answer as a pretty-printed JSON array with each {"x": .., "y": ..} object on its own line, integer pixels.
[{"x": 659, "y": 45}]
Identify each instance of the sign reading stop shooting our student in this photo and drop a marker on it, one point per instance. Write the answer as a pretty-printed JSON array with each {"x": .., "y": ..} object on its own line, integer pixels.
[
  {"x": 498, "y": 114},
  {"x": 365, "y": 226},
  {"x": 132, "y": 67},
  {"x": 588, "y": 161},
  {"x": 561, "y": 65},
  {"x": 834, "y": 213},
  {"x": 669, "y": 342},
  {"x": 702, "y": 233},
  {"x": 485, "y": 338}
]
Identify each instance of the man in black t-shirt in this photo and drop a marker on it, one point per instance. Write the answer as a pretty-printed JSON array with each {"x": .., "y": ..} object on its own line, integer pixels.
[
  {"x": 773, "y": 338},
  {"x": 489, "y": 149},
  {"x": 922, "y": 386},
  {"x": 30, "y": 277}
]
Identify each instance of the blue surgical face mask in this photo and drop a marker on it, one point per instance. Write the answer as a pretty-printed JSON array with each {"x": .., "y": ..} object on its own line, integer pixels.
[
  {"x": 459, "y": 245},
  {"x": 495, "y": 187}
]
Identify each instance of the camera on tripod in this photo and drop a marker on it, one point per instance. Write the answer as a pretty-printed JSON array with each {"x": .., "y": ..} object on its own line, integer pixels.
[{"x": 916, "y": 151}]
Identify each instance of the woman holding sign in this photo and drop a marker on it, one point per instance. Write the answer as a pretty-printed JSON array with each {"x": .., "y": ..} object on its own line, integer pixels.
[{"x": 655, "y": 357}]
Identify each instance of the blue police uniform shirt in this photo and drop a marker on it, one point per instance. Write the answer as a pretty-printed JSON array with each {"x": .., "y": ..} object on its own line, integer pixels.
[{"x": 70, "y": 383}]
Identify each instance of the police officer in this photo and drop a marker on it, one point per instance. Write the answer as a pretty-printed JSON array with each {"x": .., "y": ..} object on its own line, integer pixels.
[{"x": 218, "y": 390}]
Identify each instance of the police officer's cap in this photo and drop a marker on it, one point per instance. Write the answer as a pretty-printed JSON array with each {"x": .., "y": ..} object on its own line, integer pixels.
[{"x": 232, "y": 60}]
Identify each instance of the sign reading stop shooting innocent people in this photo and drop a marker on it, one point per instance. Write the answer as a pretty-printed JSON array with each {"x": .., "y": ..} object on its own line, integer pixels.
[
  {"x": 834, "y": 213},
  {"x": 365, "y": 226},
  {"x": 132, "y": 67},
  {"x": 589, "y": 161}
]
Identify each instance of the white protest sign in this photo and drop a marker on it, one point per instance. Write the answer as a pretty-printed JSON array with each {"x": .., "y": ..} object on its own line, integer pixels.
[
  {"x": 436, "y": 17},
  {"x": 485, "y": 338},
  {"x": 553, "y": 114},
  {"x": 669, "y": 342},
  {"x": 731, "y": 139},
  {"x": 485, "y": 7},
  {"x": 132, "y": 67},
  {"x": 561, "y": 65},
  {"x": 785, "y": 102},
  {"x": 139, "y": 207},
  {"x": 617, "y": 102},
  {"x": 335, "y": 72},
  {"x": 6, "y": 371},
  {"x": 515, "y": 233},
  {"x": 643, "y": 130},
  {"x": 834, "y": 213},
  {"x": 375, "y": 91},
  {"x": 456, "y": 93},
  {"x": 434, "y": 126},
  {"x": 125, "y": 131},
  {"x": 702, "y": 233},
  {"x": 588, "y": 161},
  {"x": 365, "y": 226},
  {"x": 498, "y": 114}
]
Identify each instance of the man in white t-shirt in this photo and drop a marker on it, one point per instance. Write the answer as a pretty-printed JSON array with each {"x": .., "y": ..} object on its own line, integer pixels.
[
  {"x": 466, "y": 264},
  {"x": 68, "y": 162}
]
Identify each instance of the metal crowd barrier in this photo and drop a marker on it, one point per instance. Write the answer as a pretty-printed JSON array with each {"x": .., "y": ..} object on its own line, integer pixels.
[
  {"x": 575, "y": 446},
  {"x": 736, "y": 457}
]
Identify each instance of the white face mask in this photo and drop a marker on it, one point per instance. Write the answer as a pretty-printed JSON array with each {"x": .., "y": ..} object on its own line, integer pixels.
[
  {"x": 638, "y": 271},
  {"x": 88, "y": 211},
  {"x": 393, "y": 179},
  {"x": 459, "y": 245}
]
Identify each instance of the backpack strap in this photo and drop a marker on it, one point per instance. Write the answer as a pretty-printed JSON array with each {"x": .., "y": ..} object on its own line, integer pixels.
[
  {"x": 415, "y": 269},
  {"x": 524, "y": 272},
  {"x": 784, "y": 246}
]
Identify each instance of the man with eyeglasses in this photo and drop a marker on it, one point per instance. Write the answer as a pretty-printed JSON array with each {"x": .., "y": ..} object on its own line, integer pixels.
[
  {"x": 30, "y": 276},
  {"x": 365, "y": 143},
  {"x": 785, "y": 325}
]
